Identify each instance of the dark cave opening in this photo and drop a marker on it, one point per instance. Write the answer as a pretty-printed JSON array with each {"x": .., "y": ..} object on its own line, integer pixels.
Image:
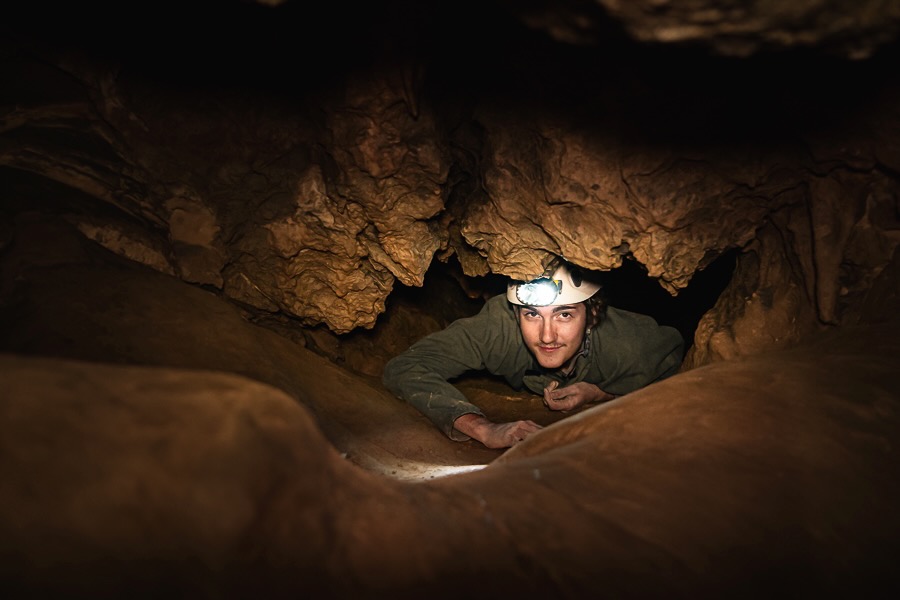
[{"x": 629, "y": 288}]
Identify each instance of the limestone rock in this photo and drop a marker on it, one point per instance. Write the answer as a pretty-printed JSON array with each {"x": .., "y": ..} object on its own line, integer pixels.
[{"x": 853, "y": 29}]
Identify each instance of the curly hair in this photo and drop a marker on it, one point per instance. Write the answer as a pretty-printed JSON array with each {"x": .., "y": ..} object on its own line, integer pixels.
[{"x": 596, "y": 308}]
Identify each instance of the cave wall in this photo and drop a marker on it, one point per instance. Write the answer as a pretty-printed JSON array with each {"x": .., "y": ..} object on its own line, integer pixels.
[{"x": 306, "y": 185}]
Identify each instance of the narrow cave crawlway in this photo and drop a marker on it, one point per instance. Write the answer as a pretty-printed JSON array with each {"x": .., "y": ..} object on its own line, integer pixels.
[{"x": 447, "y": 294}]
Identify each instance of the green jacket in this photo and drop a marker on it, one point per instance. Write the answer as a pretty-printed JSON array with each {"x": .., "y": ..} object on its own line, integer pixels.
[{"x": 626, "y": 351}]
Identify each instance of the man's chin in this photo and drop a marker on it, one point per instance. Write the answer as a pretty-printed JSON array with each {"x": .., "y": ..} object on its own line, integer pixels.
[{"x": 552, "y": 362}]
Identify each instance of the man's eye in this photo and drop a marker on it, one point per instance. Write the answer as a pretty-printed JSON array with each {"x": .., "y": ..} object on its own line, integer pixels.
[
  {"x": 530, "y": 314},
  {"x": 565, "y": 315}
]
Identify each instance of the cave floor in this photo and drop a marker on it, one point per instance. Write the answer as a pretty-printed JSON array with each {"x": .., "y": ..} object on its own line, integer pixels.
[{"x": 415, "y": 450}]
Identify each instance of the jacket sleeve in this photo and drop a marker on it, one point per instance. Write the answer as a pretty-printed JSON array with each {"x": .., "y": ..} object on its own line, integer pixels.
[{"x": 421, "y": 374}]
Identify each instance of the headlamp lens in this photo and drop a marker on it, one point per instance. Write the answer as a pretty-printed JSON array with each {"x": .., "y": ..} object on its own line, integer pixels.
[{"x": 539, "y": 292}]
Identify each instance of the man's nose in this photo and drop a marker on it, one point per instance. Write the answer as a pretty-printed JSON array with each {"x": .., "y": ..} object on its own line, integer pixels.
[{"x": 548, "y": 331}]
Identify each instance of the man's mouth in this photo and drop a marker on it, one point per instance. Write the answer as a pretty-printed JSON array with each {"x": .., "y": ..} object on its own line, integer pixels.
[{"x": 549, "y": 349}]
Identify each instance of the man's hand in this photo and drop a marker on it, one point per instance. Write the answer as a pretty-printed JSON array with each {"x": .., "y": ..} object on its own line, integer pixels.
[
  {"x": 573, "y": 396},
  {"x": 495, "y": 435}
]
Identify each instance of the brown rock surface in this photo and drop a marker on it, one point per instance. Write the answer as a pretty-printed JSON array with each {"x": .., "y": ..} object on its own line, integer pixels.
[
  {"x": 186, "y": 451},
  {"x": 847, "y": 27},
  {"x": 311, "y": 200}
]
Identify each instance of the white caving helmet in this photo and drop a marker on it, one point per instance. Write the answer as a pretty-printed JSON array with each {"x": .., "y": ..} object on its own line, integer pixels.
[{"x": 559, "y": 284}]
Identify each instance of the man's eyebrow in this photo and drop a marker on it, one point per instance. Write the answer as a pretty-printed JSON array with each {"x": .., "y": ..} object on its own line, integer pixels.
[
  {"x": 555, "y": 308},
  {"x": 564, "y": 307}
]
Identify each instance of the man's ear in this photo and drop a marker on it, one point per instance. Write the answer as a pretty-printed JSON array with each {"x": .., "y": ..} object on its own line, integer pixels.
[{"x": 594, "y": 310}]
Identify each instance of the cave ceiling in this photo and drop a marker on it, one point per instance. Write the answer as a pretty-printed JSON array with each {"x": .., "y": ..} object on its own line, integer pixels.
[{"x": 303, "y": 159}]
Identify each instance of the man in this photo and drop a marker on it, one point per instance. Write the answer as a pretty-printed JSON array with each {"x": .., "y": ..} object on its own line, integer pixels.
[{"x": 554, "y": 335}]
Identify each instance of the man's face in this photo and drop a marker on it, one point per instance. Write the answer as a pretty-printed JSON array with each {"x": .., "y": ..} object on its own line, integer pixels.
[{"x": 553, "y": 333}]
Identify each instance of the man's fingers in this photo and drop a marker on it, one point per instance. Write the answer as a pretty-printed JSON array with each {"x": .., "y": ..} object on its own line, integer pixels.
[
  {"x": 553, "y": 391},
  {"x": 524, "y": 429},
  {"x": 561, "y": 398},
  {"x": 548, "y": 395},
  {"x": 548, "y": 391},
  {"x": 561, "y": 394}
]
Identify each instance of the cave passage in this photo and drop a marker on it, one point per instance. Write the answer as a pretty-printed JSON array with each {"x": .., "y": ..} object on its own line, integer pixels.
[{"x": 627, "y": 287}]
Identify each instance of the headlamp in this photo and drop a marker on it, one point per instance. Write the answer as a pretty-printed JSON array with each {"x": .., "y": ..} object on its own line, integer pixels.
[
  {"x": 560, "y": 284},
  {"x": 539, "y": 292}
]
